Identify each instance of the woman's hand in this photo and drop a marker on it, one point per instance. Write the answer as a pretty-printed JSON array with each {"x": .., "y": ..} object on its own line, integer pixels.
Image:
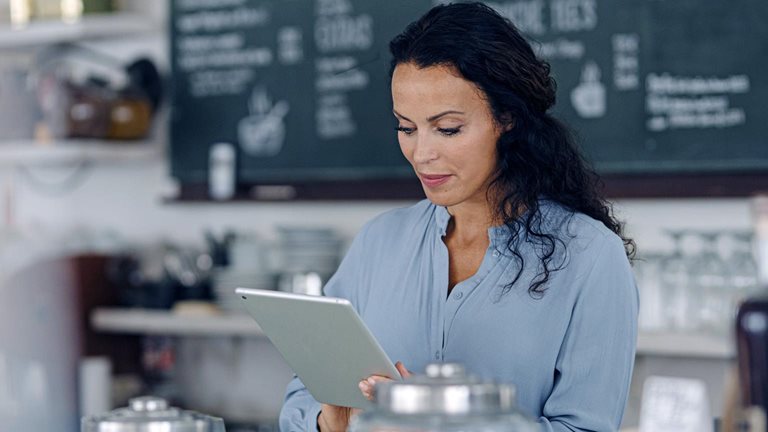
[
  {"x": 366, "y": 385},
  {"x": 334, "y": 418}
]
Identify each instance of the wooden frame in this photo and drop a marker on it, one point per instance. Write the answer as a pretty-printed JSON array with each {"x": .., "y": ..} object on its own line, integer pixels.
[{"x": 614, "y": 186}]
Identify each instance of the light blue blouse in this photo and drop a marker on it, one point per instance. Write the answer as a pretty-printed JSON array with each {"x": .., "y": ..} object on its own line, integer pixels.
[{"x": 569, "y": 354}]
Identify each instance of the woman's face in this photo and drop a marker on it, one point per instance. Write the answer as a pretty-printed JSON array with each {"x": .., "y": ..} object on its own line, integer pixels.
[{"x": 447, "y": 133}]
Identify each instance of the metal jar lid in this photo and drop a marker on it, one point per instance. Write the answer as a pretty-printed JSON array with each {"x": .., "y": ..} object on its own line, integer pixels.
[
  {"x": 149, "y": 414},
  {"x": 446, "y": 389}
]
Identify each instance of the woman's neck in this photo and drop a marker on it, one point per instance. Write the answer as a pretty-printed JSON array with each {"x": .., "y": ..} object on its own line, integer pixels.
[{"x": 470, "y": 221}]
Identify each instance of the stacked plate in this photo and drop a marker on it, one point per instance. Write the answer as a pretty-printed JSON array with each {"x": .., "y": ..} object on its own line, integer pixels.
[{"x": 308, "y": 250}]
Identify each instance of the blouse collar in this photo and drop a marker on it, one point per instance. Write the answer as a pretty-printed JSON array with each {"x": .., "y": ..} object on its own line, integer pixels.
[{"x": 498, "y": 235}]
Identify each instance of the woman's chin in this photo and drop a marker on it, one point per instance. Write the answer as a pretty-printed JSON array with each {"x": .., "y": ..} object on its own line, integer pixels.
[{"x": 440, "y": 198}]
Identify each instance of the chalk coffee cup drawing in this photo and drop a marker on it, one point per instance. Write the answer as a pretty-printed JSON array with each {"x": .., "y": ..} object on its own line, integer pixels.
[
  {"x": 262, "y": 133},
  {"x": 588, "y": 98}
]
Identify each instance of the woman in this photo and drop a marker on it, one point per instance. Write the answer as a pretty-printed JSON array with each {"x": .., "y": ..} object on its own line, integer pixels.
[{"x": 514, "y": 265}]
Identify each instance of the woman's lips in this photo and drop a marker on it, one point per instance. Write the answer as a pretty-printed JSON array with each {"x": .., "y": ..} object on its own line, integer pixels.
[{"x": 434, "y": 180}]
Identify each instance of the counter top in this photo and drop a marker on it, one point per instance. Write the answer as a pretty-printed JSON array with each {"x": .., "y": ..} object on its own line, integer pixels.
[{"x": 148, "y": 321}]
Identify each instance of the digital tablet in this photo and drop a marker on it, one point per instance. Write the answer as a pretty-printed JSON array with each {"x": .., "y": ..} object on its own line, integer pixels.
[{"x": 323, "y": 339}]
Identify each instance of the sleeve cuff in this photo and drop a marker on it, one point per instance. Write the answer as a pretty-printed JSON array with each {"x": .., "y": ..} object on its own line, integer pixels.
[
  {"x": 312, "y": 417},
  {"x": 545, "y": 425}
]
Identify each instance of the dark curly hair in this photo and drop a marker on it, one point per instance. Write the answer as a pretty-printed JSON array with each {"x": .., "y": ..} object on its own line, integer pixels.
[{"x": 537, "y": 156}]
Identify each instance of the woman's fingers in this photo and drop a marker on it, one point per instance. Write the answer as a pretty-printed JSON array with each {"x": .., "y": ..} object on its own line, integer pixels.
[
  {"x": 405, "y": 373},
  {"x": 366, "y": 385},
  {"x": 366, "y": 388}
]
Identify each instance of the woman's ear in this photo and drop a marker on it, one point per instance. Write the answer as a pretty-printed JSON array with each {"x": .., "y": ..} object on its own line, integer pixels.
[
  {"x": 507, "y": 123},
  {"x": 508, "y": 126}
]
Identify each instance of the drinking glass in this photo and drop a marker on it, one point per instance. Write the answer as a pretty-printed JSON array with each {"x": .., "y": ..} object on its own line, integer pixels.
[
  {"x": 674, "y": 283},
  {"x": 710, "y": 298},
  {"x": 652, "y": 298}
]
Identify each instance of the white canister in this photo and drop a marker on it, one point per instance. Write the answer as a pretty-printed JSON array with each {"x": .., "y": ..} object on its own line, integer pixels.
[
  {"x": 221, "y": 171},
  {"x": 95, "y": 382}
]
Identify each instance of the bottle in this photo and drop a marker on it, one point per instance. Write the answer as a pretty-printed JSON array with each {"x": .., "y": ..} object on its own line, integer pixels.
[
  {"x": 221, "y": 171},
  {"x": 760, "y": 228},
  {"x": 20, "y": 11}
]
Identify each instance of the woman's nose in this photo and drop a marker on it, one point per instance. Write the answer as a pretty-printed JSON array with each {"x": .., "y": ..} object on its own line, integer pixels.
[{"x": 424, "y": 151}]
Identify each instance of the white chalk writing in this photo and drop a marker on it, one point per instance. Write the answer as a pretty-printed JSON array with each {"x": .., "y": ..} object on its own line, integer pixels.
[
  {"x": 670, "y": 84},
  {"x": 573, "y": 15},
  {"x": 527, "y": 16},
  {"x": 680, "y": 102},
  {"x": 218, "y": 20},
  {"x": 257, "y": 57},
  {"x": 344, "y": 33},
  {"x": 561, "y": 49},
  {"x": 626, "y": 63},
  {"x": 225, "y": 82}
]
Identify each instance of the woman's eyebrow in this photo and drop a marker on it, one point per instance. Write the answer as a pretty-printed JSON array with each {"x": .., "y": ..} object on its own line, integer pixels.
[
  {"x": 397, "y": 114},
  {"x": 437, "y": 116},
  {"x": 430, "y": 119}
]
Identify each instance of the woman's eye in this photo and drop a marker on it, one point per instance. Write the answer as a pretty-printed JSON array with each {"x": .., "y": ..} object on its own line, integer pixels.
[
  {"x": 449, "y": 131},
  {"x": 405, "y": 130}
]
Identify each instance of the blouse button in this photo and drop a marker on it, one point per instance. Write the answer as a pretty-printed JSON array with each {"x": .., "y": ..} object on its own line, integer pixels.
[
  {"x": 459, "y": 295},
  {"x": 496, "y": 254}
]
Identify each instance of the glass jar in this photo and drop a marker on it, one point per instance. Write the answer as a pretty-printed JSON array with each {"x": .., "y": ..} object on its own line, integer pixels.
[
  {"x": 148, "y": 414},
  {"x": 445, "y": 400}
]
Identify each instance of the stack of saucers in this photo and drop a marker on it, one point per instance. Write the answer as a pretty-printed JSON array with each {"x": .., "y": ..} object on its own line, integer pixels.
[{"x": 309, "y": 249}]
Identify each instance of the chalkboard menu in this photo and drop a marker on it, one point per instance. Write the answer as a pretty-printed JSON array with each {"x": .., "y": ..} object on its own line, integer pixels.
[{"x": 301, "y": 87}]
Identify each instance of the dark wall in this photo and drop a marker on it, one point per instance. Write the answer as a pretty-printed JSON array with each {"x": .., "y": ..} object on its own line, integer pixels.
[{"x": 652, "y": 87}]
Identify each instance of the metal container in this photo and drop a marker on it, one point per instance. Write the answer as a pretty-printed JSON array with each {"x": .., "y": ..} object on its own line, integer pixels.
[
  {"x": 150, "y": 414},
  {"x": 445, "y": 400}
]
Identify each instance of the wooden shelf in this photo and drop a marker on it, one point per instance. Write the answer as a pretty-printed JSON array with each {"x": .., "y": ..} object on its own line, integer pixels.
[
  {"x": 44, "y": 32},
  {"x": 74, "y": 151},
  {"x": 146, "y": 321}
]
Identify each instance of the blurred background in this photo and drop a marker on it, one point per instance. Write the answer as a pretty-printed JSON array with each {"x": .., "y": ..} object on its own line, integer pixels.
[{"x": 155, "y": 154}]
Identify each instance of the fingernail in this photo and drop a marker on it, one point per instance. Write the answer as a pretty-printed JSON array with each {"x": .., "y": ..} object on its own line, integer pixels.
[
  {"x": 371, "y": 381},
  {"x": 362, "y": 386}
]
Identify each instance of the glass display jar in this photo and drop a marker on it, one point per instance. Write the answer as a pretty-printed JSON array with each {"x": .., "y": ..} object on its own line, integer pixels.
[
  {"x": 445, "y": 400},
  {"x": 149, "y": 414}
]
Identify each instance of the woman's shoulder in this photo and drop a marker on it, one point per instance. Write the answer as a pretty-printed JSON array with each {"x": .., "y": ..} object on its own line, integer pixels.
[
  {"x": 576, "y": 226},
  {"x": 401, "y": 220},
  {"x": 585, "y": 238},
  {"x": 591, "y": 250}
]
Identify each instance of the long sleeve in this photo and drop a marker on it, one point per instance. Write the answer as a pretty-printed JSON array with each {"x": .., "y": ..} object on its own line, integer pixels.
[
  {"x": 594, "y": 365},
  {"x": 300, "y": 409}
]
